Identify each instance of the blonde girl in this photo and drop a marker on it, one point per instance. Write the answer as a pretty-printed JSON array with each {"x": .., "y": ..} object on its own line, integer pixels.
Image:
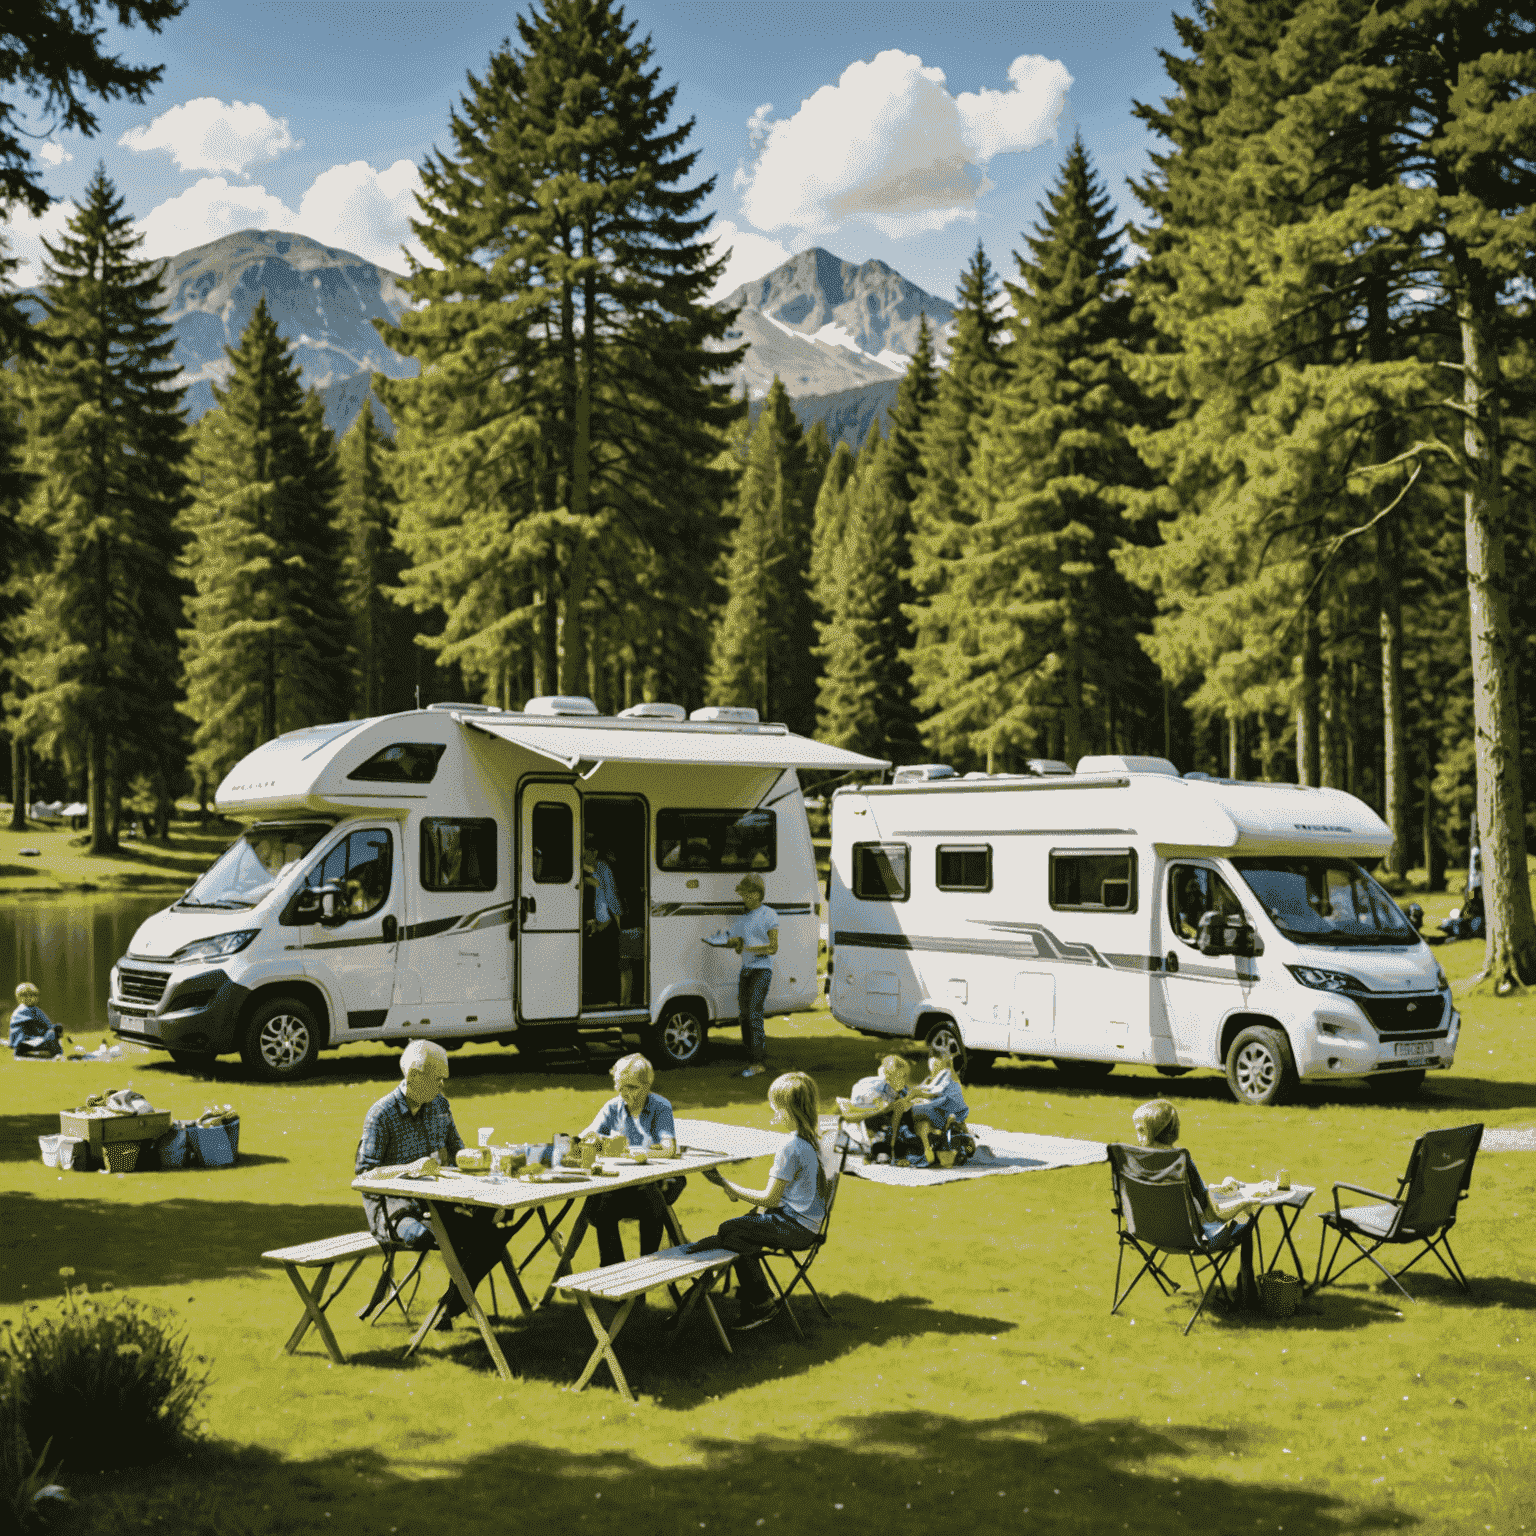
[{"x": 789, "y": 1208}]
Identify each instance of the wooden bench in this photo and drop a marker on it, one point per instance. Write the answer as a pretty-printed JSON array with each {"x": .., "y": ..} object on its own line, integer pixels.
[
  {"x": 324, "y": 1255},
  {"x": 623, "y": 1283}
]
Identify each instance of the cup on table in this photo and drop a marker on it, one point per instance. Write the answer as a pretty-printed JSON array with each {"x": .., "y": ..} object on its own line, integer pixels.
[
  {"x": 486, "y": 1132},
  {"x": 639, "y": 1153},
  {"x": 1283, "y": 1179},
  {"x": 614, "y": 1146},
  {"x": 588, "y": 1153},
  {"x": 668, "y": 1147}
]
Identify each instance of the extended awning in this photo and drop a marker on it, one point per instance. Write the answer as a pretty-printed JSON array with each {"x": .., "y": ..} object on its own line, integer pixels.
[{"x": 586, "y": 745}]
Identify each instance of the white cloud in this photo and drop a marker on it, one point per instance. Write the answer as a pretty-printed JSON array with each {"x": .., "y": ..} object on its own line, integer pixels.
[
  {"x": 890, "y": 145},
  {"x": 365, "y": 211},
  {"x": 54, "y": 154},
  {"x": 209, "y": 210},
  {"x": 206, "y": 134},
  {"x": 24, "y": 237},
  {"x": 751, "y": 255}
]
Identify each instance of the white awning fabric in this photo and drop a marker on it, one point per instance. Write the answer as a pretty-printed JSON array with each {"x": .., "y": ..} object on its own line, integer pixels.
[{"x": 574, "y": 744}]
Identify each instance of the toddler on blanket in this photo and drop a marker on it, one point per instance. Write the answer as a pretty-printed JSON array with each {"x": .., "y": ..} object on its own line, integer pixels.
[{"x": 942, "y": 1101}]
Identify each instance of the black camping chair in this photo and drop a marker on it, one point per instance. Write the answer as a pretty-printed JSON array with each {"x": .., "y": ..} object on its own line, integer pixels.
[
  {"x": 803, "y": 1258},
  {"x": 1423, "y": 1210},
  {"x": 1155, "y": 1206}
]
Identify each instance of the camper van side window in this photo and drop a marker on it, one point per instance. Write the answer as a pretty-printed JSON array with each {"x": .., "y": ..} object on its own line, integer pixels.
[
  {"x": 964, "y": 868},
  {"x": 458, "y": 854},
  {"x": 405, "y": 762},
  {"x": 1100, "y": 880},
  {"x": 553, "y": 839},
  {"x": 881, "y": 872},
  {"x": 717, "y": 842}
]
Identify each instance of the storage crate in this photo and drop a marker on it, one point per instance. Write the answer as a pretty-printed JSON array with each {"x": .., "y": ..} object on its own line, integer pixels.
[{"x": 101, "y": 1129}]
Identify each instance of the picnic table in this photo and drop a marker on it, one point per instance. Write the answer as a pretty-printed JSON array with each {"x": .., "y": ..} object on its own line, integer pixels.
[{"x": 518, "y": 1201}]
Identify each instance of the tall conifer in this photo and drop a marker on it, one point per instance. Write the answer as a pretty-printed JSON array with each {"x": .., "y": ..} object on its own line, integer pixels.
[{"x": 107, "y": 442}]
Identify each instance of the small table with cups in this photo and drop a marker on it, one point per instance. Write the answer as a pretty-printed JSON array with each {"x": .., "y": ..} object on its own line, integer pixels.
[
  {"x": 1288, "y": 1202},
  {"x": 518, "y": 1197}
]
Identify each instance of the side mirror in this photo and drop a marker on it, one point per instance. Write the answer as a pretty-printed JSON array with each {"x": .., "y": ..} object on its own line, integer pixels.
[
  {"x": 1211, "y": 935},
  {"x": 1240, "y": 937},
  {"x": 319, "y": 904}
]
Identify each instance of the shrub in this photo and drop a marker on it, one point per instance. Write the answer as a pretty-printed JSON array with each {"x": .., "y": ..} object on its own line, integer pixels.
[
  {"x": 22, "y": 1474},
  {"x": 93, "y": 1385}
]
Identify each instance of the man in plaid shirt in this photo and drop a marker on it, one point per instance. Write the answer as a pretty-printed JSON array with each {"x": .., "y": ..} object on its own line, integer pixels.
[{"x": 414, "y": 1122}]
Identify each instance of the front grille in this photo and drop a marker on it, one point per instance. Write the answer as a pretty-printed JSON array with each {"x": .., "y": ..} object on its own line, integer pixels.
[
  {"x": 145, "y": 988},
  {"x": 1405, "y": 1015}
]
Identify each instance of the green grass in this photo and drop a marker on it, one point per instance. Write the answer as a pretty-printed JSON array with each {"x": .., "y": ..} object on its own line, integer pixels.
[
  {"x": 970, "y": 1371},
  {"x": 64, "y": 862}
]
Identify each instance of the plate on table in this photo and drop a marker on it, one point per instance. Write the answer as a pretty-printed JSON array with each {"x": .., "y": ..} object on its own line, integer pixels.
[{"x": 561, "y": 1176}]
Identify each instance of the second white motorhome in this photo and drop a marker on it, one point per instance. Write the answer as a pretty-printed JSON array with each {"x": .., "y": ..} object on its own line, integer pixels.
[
  {"x": 421, "y": 875},
  {"x": 1125, "y": 914}
]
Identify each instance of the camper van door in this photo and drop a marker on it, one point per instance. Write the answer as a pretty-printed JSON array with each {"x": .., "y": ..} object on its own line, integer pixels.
[
  {"x": 352, "y": 953},
  {"x": 1199, "y": 990},
  {"x": 549, "y": 901}
]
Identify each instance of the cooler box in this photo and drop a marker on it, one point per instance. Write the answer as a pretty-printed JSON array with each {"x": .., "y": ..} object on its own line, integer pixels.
[{"x": 101, "y": 1129}]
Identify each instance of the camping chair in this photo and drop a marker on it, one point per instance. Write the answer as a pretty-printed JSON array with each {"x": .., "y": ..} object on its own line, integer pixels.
[
  {"x": 1158, "y": 1215},
  {"x": 1165, "y": 1282},
  {"x": 1422, "y": 1211},
  {"x": 803, "y": 1258},
  {"x": 388, "y": 1291}
]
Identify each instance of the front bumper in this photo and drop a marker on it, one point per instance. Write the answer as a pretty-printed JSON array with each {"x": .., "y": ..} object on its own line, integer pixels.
[
  {"x": 201, "y": 1014},
  {"x": 1346, "y": 1045}
]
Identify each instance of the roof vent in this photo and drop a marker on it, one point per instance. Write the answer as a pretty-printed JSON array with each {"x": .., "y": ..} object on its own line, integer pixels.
[
  {"x": 1119, "y": 764},
  {"x": 1047, "y": 767},
  {"x": 1196, "y": 774},
  {"x": 726, "y": 714},
  {"x": 923, "y": 773},
  {"x": 654, "y": 712},
  {"x": 560, "y": 704}
]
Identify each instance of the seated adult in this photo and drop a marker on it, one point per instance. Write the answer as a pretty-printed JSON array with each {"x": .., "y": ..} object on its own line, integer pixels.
[
  {"x": 1157, "y": 1125},
  {"x": 33, "y": 1033},
  {"x": 402, "y": 1132},
  {"x": 643, "y": 1119}
]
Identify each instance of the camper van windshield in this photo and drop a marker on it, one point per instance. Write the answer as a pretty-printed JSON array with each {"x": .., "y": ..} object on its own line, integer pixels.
[
  {"x": 1326, "y": 901},
  {"x": 248, "y": 869}
]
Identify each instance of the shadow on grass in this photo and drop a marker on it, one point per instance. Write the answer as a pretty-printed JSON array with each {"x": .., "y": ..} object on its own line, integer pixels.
[
  {"x": 19, "y": 1133},
  {"x": 1439, "y": 1290},
  {"x": 683, "y": 1372},
  {"x": 173, "y": 1241},
  {"x": 1043, "y": 1472}
]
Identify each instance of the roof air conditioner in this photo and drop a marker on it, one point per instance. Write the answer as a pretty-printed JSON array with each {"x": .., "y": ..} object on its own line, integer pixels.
[
  {"x": 923, "y": 773},
  {"x": 560, "y": 704},
  {"x": 1047, "y": 767},
  {"x": 654, "y": 712},
  {"x": 1116, "y": 763},
  {"x": 726, "y": 714}
]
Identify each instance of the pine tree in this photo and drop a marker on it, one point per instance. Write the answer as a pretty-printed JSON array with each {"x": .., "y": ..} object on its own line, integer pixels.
[
  {"x": 1056, "y": 654},
  {"x": 107, "y": 443},
  {"x": 942, "y": 515},
  {"x": 266, "y": 648},
  {"x": 565, "y": 394},
  {"x": 383, "y": 667}
]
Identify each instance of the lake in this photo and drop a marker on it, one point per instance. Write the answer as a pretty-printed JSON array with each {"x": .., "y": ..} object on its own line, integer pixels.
[{"x": 66, "y": 946}]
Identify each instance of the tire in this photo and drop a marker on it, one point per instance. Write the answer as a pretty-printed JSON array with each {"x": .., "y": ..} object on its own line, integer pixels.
[
  {"x": 943, "y": 1039},
  {"x": 1393, "y": 1087},
  {"x": 679, "y": 1037},
  {"x": 1175, "y": 1071},
  {"x": 190, "y": 1061},
  {"x": 1082, "y": 1074},
  {"x": 281, "y": 1040},
  {"x": 1259, "y": 1066}
]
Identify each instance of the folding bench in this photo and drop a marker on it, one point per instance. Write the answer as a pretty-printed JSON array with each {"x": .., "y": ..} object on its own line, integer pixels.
[{"x": 324, "y": 1255}]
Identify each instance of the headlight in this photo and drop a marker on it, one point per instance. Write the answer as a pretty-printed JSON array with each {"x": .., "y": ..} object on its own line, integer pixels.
[
  {"x": 1326, "y": 981},
  {"x": 216, "y": 948}
]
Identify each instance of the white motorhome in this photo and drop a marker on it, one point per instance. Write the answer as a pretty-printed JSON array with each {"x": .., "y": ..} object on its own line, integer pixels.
[
  {"x": 421, "y": 875},
  {"x": 1125, "y": 914}
]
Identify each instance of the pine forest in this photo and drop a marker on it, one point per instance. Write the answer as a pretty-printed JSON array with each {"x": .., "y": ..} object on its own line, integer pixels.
[{"x": 1247, "y": 483}]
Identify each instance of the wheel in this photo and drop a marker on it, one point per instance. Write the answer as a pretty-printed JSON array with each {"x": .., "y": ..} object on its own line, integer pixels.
[
  {"x": 190, "y": 1061},
  {"x": 1390, "y": 1087},
  {"x": 281, "y": 1040},
  {"x": 1259, "y": 1066},
  {"x": 943, "y": 1039},
  {"x": 1175, "y": 1071},
  {"x": 1081, "y": 1074},
  {"x": 677, "y": 1040}
]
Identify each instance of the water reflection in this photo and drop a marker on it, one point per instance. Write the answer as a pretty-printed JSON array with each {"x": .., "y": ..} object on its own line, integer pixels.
[{"x": 66, "y": 946}]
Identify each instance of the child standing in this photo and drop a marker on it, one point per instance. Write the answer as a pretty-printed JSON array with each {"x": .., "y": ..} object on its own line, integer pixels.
[
  {"x": 755, "y": 937},
  {"x": 33, "y": 1033},
  {"x": 942, "y": 1098}
]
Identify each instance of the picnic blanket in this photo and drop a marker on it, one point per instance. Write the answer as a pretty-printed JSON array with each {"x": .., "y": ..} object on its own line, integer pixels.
[{"x": 997, "y": 1151}]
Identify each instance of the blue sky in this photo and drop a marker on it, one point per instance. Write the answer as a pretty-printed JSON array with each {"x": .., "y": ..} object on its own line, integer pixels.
[{"x": 897, "y": 130}]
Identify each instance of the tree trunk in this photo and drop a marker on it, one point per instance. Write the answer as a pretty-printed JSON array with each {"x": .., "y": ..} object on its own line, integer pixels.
[
  {"x": 1434, "y": 859},
  {"x": 18, "y": 783},
  {"x": 1234, "y": 749},
  {"x": 1072, "y": 721},
  {"x": 1308, "y": 762},
  {"x": 1510, "y": 957},
  {"x": 573, "y": 673},
  {"x": 96, "y": 792}
]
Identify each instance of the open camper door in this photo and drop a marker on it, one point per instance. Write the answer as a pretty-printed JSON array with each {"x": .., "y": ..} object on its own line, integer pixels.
[{"x": 549, "y": 902}]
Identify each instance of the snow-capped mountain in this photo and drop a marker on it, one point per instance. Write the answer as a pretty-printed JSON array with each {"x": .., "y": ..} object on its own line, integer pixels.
[{"x": 824, "y": 325}]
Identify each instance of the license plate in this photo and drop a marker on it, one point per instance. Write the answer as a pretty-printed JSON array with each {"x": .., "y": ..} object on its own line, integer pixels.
[{"x": 1414, "y": 1048}]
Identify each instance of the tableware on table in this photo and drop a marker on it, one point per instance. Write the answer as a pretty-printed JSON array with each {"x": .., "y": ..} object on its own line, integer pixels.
[
  {"x": 614, "y": 1146},
  {"x": 638, "y": 1154},
  {"x": 486, "y": 1132},
  {"x": 1283, "y": 1179},
  {"x": 561, "y": 1152},
  {"x": 668, "y": 1146},
  {"x": 588, "y": 1153},
  {"x": 474, "y": 1159}
]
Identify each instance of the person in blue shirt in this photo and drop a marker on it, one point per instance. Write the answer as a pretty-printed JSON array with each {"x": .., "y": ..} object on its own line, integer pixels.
[
  {"x": 600, "y": 955},
  {"x": 940, "y": 1098},
  {"x": 33, "y": 1033},
  {"x": 755, "y": 937},
  {"x": 644, "y": 1119},
  {"x": 790, "y": 1207}
]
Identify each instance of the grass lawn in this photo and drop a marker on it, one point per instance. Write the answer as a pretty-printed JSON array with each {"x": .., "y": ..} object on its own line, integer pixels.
[
  {"x": 970, "y": 1380},
  {"x": 64, "y": 863}
]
